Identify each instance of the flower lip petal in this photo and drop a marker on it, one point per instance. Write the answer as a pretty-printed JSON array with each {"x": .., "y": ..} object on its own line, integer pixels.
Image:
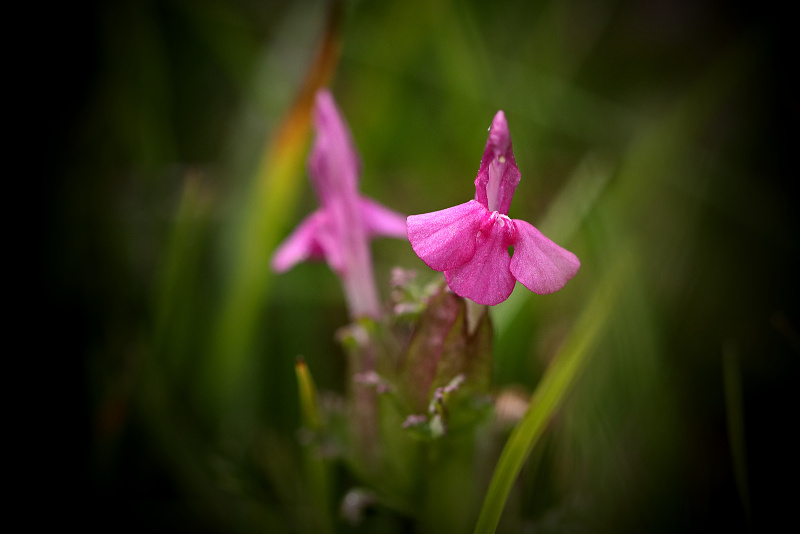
[
  {"x": 301, "y": 245},
  {"x": 486, "y": 278},
  {"x": 380, "y": 220},
  {"x": 446, "y": 239},
  {"x": 498, "y": 175},
  {"x": 540, "y": 264}
]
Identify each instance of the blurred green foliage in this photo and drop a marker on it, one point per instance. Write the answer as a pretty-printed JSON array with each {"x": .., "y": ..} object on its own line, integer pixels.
[{"x": 646, "y": 133}]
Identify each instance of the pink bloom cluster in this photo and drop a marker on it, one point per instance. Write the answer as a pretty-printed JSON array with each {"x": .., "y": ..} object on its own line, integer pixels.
[{"x": 470, "y": 242}]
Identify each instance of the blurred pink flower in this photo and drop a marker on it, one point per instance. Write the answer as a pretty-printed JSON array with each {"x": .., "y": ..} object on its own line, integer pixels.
[
  {"x": 470, "y": 242},
  {"x": 339, "y": 230}
]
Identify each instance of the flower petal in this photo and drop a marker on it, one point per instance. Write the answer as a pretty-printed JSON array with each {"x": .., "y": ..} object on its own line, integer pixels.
[
  {"x": 302, "y": 244},
  {"x": 498, "y": 175},
  {"x": 380, "y": 220},
  {"x": 486, "y": 278},
  {"x": 445, "y": 239},
  {"x": 540, "y": 264},
  {"x": 334, "y": 163}
]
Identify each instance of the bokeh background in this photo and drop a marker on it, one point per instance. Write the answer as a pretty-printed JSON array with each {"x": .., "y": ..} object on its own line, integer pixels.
[{"x": 653, "y": 139}]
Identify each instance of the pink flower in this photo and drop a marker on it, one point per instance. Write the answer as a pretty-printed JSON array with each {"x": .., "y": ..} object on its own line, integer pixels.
[
  {"x": 339, "y": 230},
  {"x": 470, "y": 242}
]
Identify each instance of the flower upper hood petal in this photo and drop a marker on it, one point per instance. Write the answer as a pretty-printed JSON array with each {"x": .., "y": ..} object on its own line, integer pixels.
[
  {"x": 334, "y": 164},
  {"x": 498, "y": 175}
]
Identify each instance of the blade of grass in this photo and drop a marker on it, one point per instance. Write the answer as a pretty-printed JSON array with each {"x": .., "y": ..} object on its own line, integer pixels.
[
  {"x": 309, "y": 405},
  {"x": 316, "y": 469},
  {"x": 179, "y": 271},
  {"x": 560, "y": 376},
  {"x": 175, "y": 317},
  {"x": 732, "y": 381},
  {"x": 274, "y": 192}
]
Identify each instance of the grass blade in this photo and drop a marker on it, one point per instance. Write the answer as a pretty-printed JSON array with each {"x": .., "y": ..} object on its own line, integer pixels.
[
  {"x": 556, "y": 382},
  {"x": 274, "y": 192}
]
